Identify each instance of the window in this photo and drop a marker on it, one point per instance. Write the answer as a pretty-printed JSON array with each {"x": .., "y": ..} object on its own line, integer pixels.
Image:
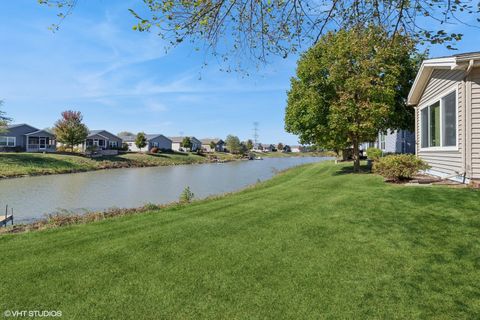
[
  {"x": 382, "y": 141},
  {"x": 7, "y": 141},
  {"x": 112, "y": 144},
  {"x": 438, "y": 123}
]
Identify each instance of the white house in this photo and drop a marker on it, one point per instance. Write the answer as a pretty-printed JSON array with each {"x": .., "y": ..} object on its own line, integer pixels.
[{"x": 153, "y": 141}]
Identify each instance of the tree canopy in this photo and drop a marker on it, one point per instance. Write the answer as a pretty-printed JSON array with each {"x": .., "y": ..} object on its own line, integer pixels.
[
  {"x": 350, "y": 86},
  {"x": 141, "y": 140},
  {"x": 70, "y": 130},
  {"x": 259, "y": 29},
  {"x": 186, "y": 143},
  {"x": 4, "y": 120},
  {"x": 233, "y": 144}
]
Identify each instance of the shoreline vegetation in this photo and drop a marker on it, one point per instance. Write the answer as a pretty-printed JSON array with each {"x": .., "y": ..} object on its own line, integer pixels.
[
  {"x": 15, "y": 165},
  {"x": 345, "y": 250}
]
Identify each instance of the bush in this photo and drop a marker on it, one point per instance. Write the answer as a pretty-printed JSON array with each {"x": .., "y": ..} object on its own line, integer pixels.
[
  {"x": 186, "y": 196},
  {"x": 374, "y": 153},
  {"x": 154, "y": 150},
  {"x": 399, "y": 167}
]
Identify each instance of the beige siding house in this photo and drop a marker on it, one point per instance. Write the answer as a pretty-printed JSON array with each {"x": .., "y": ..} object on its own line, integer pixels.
[{"x": 446, "y": 97}]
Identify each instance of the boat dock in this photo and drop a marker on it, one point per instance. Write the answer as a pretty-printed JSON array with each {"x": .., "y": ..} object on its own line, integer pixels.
[{"x": 4, "y": 219}]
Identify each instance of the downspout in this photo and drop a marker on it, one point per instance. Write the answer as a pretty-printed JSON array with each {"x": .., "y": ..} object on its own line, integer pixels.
[{"x": 466, "y": 114}]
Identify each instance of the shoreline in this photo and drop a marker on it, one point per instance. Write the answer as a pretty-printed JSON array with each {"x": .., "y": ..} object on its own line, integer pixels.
[{"x": 108, "y": 164}]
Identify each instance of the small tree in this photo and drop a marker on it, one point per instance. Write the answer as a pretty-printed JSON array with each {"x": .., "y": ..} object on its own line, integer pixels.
[
  {"x": 249, "y": 144},
  {"x": 186, "y": 196},
  {"x": 3, "y": 119},
  {"x": 213, "y": 145},
  {"x": 141, "y": 140},
  {"x": 280, "y": 146},
  {"x": 186, "y": 143},
  {"x": 233, "y": 144},
  {"x": 70, "y": 130}
]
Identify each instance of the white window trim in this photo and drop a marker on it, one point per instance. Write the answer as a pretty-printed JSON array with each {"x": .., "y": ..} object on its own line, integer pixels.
[
  {"x": 6, "y": 142},
  {"x": 439, "y": 98}
]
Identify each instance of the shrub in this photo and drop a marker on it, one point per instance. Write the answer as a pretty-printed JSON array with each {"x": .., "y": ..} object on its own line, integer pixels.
[
  {"x": 186, "y": 196},
  {"x": 154, "y": 150},
  {"x": 399, "y": 167},
  {"x": 374, "y": 153}
]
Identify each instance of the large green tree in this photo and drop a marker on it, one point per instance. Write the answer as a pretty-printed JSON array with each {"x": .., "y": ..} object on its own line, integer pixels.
[
  {"x": 260, "y": 29},
  {"x": 141, "y": 140},
  {"x": 349, "y": 86},
  {"x": 70, "y": 130}
]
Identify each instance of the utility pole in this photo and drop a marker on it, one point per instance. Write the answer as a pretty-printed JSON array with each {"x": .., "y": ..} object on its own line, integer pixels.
[{"x": 255, "y": 132}]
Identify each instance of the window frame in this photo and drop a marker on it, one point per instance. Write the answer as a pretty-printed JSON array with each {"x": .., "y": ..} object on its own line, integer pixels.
[
  {"x": 7, "y": 138},
  {"x": 439, "y": 98}
]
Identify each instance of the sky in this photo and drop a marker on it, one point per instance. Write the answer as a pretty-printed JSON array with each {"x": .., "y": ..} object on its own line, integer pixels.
[{"x": 122, "y": 80}]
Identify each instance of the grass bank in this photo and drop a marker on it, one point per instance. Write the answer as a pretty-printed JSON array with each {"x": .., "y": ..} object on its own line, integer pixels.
[
  {"x": 25, "y": 164},
  {"x": 314, "y": 242}
]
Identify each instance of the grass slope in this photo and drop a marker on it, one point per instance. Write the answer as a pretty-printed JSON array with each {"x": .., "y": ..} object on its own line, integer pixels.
[
  {"x": 18, "y": 164},
  {"x": 314, "y": 242}
]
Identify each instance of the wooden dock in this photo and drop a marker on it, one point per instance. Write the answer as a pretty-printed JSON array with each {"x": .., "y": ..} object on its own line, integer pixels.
[{"x": 7, "y": 217}]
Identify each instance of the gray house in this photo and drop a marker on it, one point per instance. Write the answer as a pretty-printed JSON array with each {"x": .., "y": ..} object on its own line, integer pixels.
[
  {"x": 207, "y": 145},
  {"x": 397, "y": 141},
  {"x": 102, "y": 140},
  {"x": 23, "y": 137},
  {"x": 153, "y": 141},
  {"x": 177, "y": 141},
  {"x": 446, "y": 97}
]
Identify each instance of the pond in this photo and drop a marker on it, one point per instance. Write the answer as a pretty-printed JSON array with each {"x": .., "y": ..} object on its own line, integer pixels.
[{"x": 33, "y": 197}]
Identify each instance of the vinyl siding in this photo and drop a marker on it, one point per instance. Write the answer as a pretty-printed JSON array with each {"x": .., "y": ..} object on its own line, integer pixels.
[
  {"x": 442, "y": 161},
  {"x": 475, "y": 123}
]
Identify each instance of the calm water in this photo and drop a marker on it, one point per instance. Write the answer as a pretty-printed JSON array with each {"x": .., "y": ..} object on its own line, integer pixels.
[{"x": 33, "y": 197}]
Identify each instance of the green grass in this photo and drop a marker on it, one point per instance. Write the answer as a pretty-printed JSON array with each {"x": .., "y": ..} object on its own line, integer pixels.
[
  {"x": 279, "y": 154},
  {"x": 20, "y": 164},
  {"x": 314, "y": 242}
]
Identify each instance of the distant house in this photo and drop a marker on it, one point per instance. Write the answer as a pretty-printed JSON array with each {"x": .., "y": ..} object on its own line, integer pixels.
[
  {"x": 207, "y": 145},
  {"x": 177, "y": 141},
  {"x": 297, "y": 148},
  {"x": 153, "y": 141},
  {"x": 397, "y": 141},
  {"x": 23, "y": 137},
  {"x": 269, "y": 148},
  {"x": 102, "y": 140},
  {"x": 287, "y": 148},
  {"x": 257, "y": 147}
]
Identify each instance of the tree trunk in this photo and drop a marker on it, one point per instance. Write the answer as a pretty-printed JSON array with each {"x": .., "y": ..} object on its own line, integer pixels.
[{"x": 356, "y": 156}]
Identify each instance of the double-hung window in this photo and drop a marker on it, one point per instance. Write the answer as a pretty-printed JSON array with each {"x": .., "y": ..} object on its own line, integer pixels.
[
  {"x": 382, "y": 141},
  {"x": 7, "y": 142},
  {"x": 438, "y": 123}
]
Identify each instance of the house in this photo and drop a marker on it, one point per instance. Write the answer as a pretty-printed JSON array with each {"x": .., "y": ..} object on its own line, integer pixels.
[
  {"x": 269, "y": 148},
  {"x": 297, "y": 149},
  {"x": 102, "y": 140},
  {"x": 153, "y": 141},
  {"x": 257, "y": 147},
  {"x": 23, "y": 137},
  {"x": 446, "y": 97},
  {"x": 207, "y": 145},
  {"x": 287, "y": 148},
  {"x": 396, "y": 141},
  {"x": 177, "y": 141}
]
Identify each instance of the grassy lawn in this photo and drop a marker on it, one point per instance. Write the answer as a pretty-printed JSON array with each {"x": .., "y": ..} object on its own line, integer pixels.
[
  {"x": 19, "y": 164},
  {"x": 279, "y": 154},
  {"x": 314, "y": 242}
]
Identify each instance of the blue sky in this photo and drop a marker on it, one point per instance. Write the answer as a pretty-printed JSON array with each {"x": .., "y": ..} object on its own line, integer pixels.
[{"x": 123, "y": 80}]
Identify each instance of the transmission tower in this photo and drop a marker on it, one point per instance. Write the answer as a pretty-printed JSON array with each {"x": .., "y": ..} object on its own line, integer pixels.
[{"x": 255, "y": 132}]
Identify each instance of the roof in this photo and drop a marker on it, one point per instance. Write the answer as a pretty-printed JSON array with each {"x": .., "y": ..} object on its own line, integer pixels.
[
  {"x": 154, "y": 135},
  {"x": 210, "y": 140},
  {"x": 38, "y": 132},
  {"x": 180, "y": 139},
  {"x": 463, "y": 61}
]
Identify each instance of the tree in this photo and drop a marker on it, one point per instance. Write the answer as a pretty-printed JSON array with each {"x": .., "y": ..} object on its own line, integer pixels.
[
  {"x": 141, "y": 140},
  {"x": 280, "y": 146},
  {"x": 249, "y": 144},
  {"x": 349, "y": 86},
  {"x": 233, "y": 144},
  {"x": 70, "y": 130},
  {"x": 213, "y": 145},
  {"x": 260, "y": 29},
  {"x": 186, "y": 143},
  {"x": 4, "y": 120}
]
